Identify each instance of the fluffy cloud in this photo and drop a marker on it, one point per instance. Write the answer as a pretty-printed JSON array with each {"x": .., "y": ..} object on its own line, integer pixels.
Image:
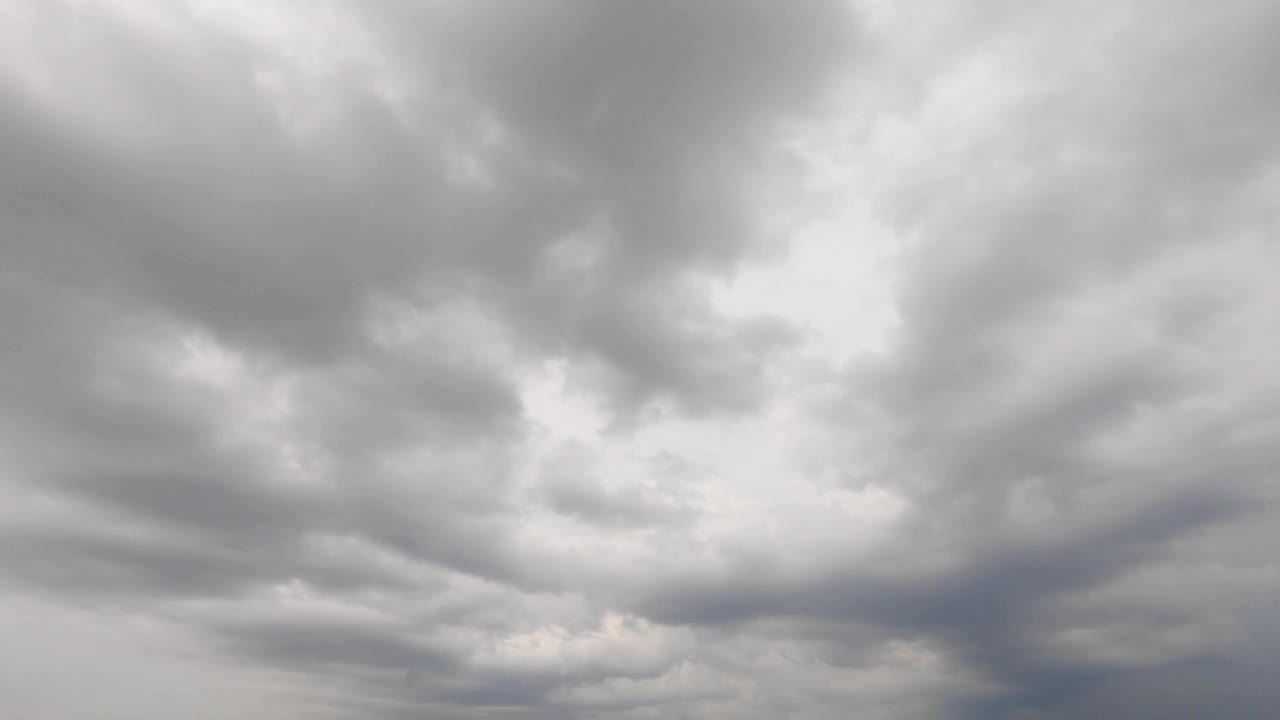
[{"x": 605, "y": 359}]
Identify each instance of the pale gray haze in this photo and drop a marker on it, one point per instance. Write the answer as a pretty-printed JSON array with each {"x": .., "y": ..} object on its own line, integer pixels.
[{"x": 639, "y": 359}]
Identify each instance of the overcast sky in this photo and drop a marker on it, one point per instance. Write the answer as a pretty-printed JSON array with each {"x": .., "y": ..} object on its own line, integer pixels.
[{"x": 595, "y": 360}]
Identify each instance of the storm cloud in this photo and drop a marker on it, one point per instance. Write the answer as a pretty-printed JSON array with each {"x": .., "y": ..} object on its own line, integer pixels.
[{"x": 602, "y": 359}]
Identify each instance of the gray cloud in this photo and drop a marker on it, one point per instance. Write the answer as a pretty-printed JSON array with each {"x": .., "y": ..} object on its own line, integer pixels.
[{"x": 462, "y": 360}]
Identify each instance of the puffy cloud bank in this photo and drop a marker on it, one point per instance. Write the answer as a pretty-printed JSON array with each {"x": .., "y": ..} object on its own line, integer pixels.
[{"x": 595, "y": 359}]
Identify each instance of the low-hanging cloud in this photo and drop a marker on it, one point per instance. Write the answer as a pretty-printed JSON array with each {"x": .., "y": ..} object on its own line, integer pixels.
[{"x": 665, "y": 359}]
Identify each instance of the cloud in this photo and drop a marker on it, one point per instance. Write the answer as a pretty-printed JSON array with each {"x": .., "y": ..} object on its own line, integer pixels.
[{"x": 606, "y": 359}]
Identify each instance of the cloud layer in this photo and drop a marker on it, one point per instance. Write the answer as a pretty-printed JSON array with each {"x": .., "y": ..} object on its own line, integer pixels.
[{"x": 634, "y": 360}]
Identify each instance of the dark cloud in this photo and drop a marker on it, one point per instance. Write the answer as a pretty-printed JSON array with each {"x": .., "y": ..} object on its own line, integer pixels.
[
  {"x": 328, "y": 643},
  {"x": 403, "y": 350}
]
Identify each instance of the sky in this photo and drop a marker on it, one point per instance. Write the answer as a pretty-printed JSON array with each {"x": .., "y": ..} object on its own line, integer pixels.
[{"x": 608, "y": 360}]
